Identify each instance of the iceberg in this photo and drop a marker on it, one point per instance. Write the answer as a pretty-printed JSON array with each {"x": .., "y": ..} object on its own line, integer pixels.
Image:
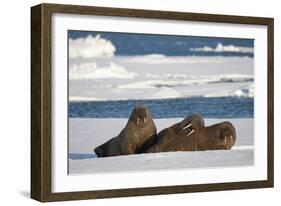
[{"x": 90, "y": 46}]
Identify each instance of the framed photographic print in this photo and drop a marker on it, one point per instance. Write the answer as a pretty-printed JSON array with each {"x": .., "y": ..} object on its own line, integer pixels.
[{"x": 132, "y": 102}]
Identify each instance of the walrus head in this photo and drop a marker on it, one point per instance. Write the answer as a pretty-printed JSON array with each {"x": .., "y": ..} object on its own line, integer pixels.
[
  {"x": 225, "y": 136},
  {"x": 140, "y": 115},
  {"x": 191, "y": 124}
]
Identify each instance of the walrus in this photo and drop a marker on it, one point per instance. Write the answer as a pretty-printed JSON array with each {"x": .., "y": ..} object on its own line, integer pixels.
[
  {"x": 221, "y": 136},
  {"x": 139, "y": 131},
  {"x": 166, "y": 138}
]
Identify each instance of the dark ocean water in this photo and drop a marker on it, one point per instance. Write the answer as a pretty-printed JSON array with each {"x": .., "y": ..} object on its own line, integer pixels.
[
  {"x": 218, "y": 107},
  {"x": 170, "y": 45}
]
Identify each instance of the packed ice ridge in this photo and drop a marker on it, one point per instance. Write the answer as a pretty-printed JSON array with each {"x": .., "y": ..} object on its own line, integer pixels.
[{"x": 224, "y": 48}]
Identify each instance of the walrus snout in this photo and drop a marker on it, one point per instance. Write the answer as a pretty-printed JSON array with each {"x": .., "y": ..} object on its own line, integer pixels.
[
  {"x": 189, "y": 129},
  {"x": 192, "y": 123},
  {"x": 141, "y": 119},
  {"x": 141, "y": 115},
  {"x": 227, "y": 135},
  {"x": 99, "y": 151}
]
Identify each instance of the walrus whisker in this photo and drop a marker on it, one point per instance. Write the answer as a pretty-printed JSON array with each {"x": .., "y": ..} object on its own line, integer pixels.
[
  {"x": 190, "y": 132},
  {"x": 187, "y": 126}
]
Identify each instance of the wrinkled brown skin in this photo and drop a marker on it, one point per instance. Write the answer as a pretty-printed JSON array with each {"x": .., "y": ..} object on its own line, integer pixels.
[
  {"x": 139, "y": 131},
  {"x": 220, "y": 136},
  {"x": 172, "y": 138}
]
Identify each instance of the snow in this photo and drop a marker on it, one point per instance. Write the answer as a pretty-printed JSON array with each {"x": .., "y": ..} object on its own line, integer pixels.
[
  {"x": 92, "y": 71},
  {"x": 166, "y": 161},
  {"x": 87, "y": 133}
]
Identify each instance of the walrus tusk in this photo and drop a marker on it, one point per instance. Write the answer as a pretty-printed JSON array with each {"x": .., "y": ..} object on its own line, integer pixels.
[
  {"x": 190, "y": 132},
  {"x": 144, "y": 119},
  {"x": 187, "y": 126},
  {"x": 231, "y": 138},
  {"x": 138, "y": 120}
]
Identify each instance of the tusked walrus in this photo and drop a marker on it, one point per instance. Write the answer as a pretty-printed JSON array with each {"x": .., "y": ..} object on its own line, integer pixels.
[
  {"x": 139, "y": 132},
  {"x": 195, "y": 137},
  {"x": 174, "y": 138}
]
